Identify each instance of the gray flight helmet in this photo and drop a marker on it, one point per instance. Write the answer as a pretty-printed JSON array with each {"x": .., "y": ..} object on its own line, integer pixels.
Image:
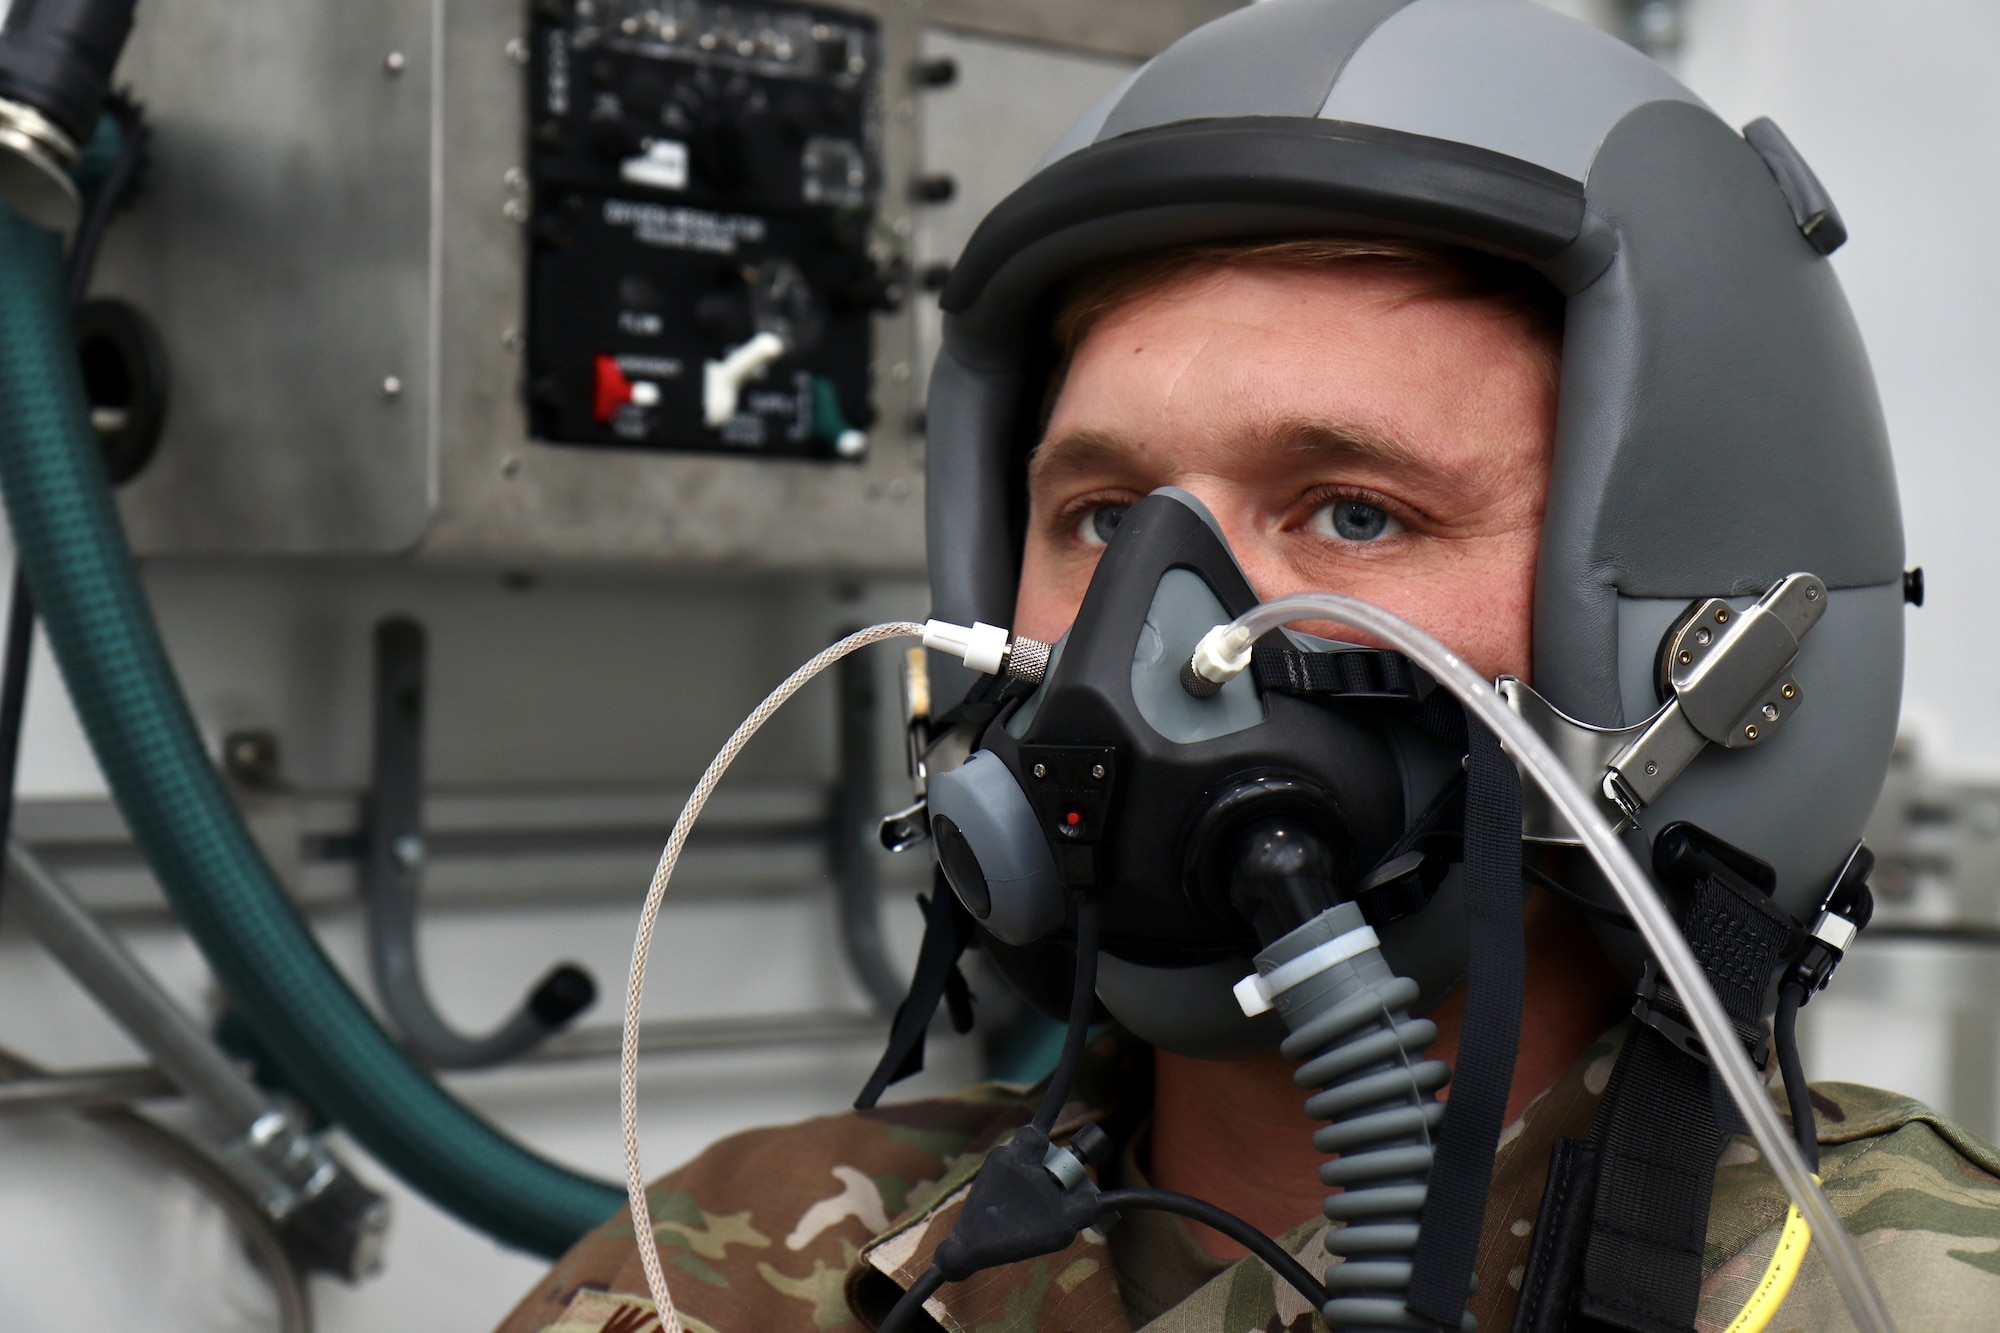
[{"x": 1718, "y": 425}]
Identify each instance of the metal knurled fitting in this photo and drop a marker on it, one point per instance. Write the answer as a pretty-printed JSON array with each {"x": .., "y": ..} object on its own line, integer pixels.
[{"x": 1028, "y": 659}]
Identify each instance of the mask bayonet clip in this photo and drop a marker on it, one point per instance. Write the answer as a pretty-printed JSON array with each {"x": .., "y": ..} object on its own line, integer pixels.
[{"x": 1726, "y": 676}]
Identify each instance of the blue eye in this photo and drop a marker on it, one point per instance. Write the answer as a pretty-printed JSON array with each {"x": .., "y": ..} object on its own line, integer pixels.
[
  {"x": 1354, "y": 521},
  {"x": 1099, "y": 525}
]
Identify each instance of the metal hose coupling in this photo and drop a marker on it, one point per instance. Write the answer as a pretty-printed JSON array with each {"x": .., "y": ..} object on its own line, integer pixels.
[{"x": 1362, "y": 1056}]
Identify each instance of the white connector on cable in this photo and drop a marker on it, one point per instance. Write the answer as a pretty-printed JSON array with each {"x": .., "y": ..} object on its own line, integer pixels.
[{"x": 982, "y": 647}]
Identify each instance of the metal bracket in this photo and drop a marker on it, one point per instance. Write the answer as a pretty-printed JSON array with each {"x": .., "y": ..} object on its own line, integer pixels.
[
  {"x": 1727, "y": 679},
  {"x": 392, "y": 873}
]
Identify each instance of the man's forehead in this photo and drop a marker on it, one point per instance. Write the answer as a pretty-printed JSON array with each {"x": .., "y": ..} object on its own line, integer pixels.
[{"x": 1281, "y": 442}]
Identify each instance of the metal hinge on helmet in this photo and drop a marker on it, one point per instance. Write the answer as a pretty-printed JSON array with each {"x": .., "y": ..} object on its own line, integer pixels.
[{"x": 1727, "y": 680}]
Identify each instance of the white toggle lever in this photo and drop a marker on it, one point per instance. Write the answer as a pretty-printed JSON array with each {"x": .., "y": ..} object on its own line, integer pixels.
[{"x": 722, "y": 381}]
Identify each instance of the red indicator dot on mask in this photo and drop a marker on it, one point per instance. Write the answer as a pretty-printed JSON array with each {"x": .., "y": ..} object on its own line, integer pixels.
[{"x": 1073, "y": 818}]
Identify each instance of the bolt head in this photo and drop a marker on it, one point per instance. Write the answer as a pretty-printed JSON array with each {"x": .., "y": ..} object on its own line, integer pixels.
[
  {"x": 1703, "y": 636},
  {"x": 1790, "y": 691},
  {"x": 1812, "y": 594},
  {"x": 1750, "y": 732},
  {"x": 408, "y": 849},
  {"x": 1040, "y": 770},
  {"x": 395, "y": 63},
  {"x": 1722, "y": 615},
  {"x": 1097, "y": 771},
  {"x": 1770, "y": 712},
  {"x": 1652, "y": 768},
  {"x": 1686, "y": 657}
]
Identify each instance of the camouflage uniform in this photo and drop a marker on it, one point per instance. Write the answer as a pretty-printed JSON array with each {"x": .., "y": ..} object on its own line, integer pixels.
[{"x": 819, "y": 1226}]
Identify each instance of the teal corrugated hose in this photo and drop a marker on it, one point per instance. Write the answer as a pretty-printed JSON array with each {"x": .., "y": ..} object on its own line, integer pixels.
[{"x": 79, "y": 568}]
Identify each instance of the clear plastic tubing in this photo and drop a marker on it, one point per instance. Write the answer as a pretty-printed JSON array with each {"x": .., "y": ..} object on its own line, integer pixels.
[{"x": 1635, "y": 891}]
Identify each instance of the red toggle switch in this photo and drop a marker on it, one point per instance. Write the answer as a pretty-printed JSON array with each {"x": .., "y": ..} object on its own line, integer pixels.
[{"x": 613, "y": 390}]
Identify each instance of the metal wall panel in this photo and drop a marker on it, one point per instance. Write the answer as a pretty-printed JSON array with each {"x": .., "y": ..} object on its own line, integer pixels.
[{"x": 281, "y": 246}]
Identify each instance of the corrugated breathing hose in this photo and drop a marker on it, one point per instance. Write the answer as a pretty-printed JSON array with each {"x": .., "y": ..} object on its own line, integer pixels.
[
  {"x": 1363, "y": 1056},
  {"x": 302, "y": 1012}
]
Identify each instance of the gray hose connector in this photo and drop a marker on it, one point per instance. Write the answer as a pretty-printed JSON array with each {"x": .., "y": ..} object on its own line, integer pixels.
[
  {"x": 1363, "y": 1057},
  {"x": 302, "y": 1012}
]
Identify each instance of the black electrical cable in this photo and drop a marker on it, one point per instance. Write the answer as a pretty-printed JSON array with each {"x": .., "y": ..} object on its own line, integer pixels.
[
  {"x": 913, "y": 1300},
  {"x": 14, "y": 693},
  {"x": 1609, "y": 915},
  {"x": 1230, "y": 1225},
  {"x": 111, "y": 194},
  {"x": 1165, "y": 1201},
  {"x": 1082, "y": 1004},
  {"x": 1785, "y": 1036}
]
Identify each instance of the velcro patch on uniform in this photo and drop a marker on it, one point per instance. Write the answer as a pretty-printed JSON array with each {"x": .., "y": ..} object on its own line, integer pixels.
[{"x": 612, "y": 1312}]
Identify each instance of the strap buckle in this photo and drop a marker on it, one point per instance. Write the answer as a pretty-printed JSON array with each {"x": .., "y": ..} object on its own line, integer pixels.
[{"x": 1659, "y": 1008}]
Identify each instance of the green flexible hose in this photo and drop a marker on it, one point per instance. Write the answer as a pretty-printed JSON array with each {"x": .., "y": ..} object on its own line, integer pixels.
[{"x": 72, "y": 548}]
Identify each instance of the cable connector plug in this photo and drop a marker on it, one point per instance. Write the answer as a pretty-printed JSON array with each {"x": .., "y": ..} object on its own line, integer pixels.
[
  {"x": 1219, "y": 658},
  {"x": 989, "y": 650}
]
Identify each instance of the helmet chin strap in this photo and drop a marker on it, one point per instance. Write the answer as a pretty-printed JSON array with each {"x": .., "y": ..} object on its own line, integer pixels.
[{"x": 1455, "y": 1208}]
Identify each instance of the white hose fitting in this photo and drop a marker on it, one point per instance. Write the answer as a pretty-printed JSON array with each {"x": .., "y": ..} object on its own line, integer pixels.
[
  {"x": 1222, "y": 654},
  {"x": 982, "y": 647},
  {"x": 722, "y": 381}
]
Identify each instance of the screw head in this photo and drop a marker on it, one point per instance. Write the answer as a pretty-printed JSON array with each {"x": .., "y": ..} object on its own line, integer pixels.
[
  {"x": 392, "y": 387},
  {"x": 1040, "y": 770},
  {"x": 1686, "y": 657},
  {"x": 408, "y": 849},
  {"x": 517, "y": 50},
  {"x": 394, "y": 63},
  {"x": 1722, "y": 615},
  {"x": 1652, "y": 768},
  {"x": 1703, "y": 636},
  {"x": 1770, "y": 712},
  {"x": 1812, "y": 594},
  {"x": 1790, "y": 691},
  {"x": 1750, "y": 732},
  {"x": 1097, "y": 771}
]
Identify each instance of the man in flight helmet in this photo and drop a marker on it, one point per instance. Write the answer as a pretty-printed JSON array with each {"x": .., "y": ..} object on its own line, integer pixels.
[{"x": 1470, "y": 311}]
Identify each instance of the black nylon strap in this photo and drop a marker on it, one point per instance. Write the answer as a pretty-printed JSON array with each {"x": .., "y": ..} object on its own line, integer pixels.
[
  {"x": 947, "y": 931},
  {"x": 1658, "y": 1133},
  {"x": 1344, "y": 673},
  {"x": 1657, "y": 1144},
  {"x": 1462, "y": 1172}
]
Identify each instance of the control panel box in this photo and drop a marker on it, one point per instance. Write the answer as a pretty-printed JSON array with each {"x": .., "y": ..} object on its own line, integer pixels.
[
  {"x": 450, "y": 280},
  {"x": 704, "y": 264}
]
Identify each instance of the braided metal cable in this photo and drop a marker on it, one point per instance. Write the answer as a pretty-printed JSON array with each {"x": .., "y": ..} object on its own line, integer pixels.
[{"x": 628, "y": 1058}]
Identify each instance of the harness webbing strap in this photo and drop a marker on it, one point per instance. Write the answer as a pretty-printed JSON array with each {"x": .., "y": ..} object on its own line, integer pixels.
[
  {"x": 1348, "y": 673},
  {"x": 947, "y": 931},
  {"x": 1462, "y": 1171},
  {"x": 1655, "y": 1142}
]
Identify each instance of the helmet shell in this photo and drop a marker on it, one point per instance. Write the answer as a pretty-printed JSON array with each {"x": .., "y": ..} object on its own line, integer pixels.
[{"x": 1718, "y": 425}]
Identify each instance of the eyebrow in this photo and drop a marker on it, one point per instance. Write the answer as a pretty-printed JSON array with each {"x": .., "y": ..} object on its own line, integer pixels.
[
  {"x": 1078, "y": 451},
  {"x": 1297, "y": 439}
]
